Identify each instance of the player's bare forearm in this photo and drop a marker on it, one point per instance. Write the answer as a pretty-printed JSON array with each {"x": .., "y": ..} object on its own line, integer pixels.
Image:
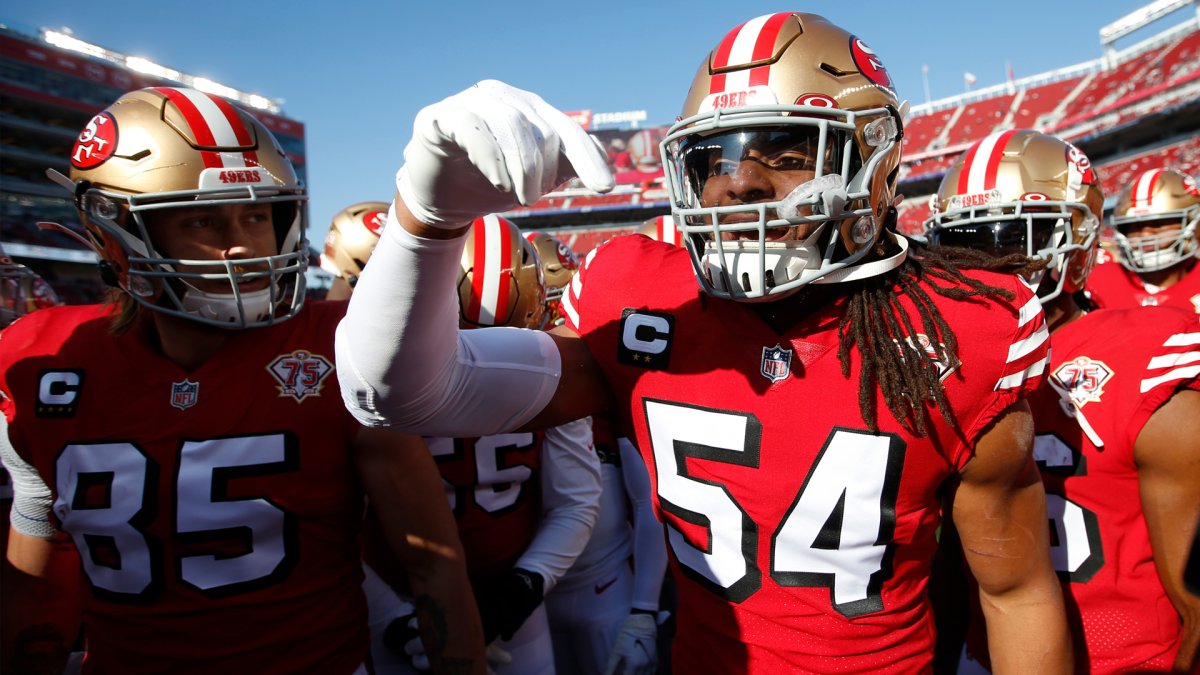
[
  {"x": 1167, "y": 452},
  {"x": 405, "y": 490},
  {"x": 1000, "y": 513}
]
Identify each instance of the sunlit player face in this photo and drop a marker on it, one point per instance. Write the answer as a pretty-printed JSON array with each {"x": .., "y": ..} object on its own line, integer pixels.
[
  {"x": 1152, "y": 235},
  {"x": 755, "y": 166},
  {"x": 230, "y": 232}
]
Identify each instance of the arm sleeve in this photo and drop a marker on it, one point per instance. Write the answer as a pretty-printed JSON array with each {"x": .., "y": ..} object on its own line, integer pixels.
[
  {"x": 570, "y": 484},
  {"x": 403, "y": 363},
  {"x": 649, "y": 543},
  {"x": 30, "y": 514}
]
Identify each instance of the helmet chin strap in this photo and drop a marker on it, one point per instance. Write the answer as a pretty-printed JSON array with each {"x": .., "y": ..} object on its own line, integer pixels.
[
  {"x": 869, "y": 269},
  {"x": 223, "y": 307}
]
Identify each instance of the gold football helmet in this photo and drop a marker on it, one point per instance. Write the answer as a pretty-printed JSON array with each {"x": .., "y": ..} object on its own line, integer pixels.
[
  {"x": 1158, "y": 197},
  {"x": 163, "y": 148},
  {"x": 353, "y": 234},
  {"x": 559, "y": 264},
  {"x": 1023, "y": 191},
  {"x": 501, "y": 281},
  {"x": 662, "y": 228},
  {"x": 21, "y": 291},
  {"x": 786, "y": 92}
]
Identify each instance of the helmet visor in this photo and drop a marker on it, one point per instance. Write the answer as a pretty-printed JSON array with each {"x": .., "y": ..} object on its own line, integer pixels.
[
  {"x": 796, "y": 154},
  {"x": 1026, "y": 236}
]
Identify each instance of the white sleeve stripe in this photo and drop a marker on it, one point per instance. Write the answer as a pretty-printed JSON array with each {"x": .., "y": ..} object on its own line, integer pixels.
[
  {"x": 1028, "y": 345},
  {"x": 1017, "y": 379},
  {"x": 1182, "y": 340},
  {"x": 1168, "y": 360},
  {"x": 568, "y": 307},
  {"x": 1030, "y": 310},
  {"x": 1177, "y": 374}
]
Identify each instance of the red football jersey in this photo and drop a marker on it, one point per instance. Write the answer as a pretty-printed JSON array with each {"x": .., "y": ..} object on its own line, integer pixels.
[
  {"x": 215, "y": 511},
  {"x": 1111, "y": 286},
  {"x": 801, "y": 541},
  {"x": 493, "y": 486},
  {"x": 1121, "y": 618}
]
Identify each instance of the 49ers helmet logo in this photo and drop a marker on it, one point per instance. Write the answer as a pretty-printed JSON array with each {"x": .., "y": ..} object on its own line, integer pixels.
[
  {"x": 374, "y": 221},
  {"x": 1190, "y": 186},
  {"x": 869, "y": 63},
  {"x": 96, "y": 143}
]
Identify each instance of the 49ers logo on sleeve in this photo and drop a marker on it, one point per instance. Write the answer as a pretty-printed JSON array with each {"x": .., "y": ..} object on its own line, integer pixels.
[
  {"x": 300, "y": 374},
  {"x": 869, "y": 63},
  {"x": 96, "y": 143},
  {"x": 374, "y": 221},
  {"x": 1083, "y": 379}
]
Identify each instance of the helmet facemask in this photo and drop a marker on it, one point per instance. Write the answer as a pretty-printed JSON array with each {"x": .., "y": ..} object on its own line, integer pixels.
[
  {"x": 1155, "y": 252},
  {"x": 167, "y": 284},
  {"x": 834, "y": 207},
  {"x": 1045, "y": 230}
]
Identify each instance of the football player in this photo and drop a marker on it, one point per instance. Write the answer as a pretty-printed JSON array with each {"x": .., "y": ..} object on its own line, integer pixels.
[
  {"x": 181, "y": 461},
  {"x": 1118, "y": 418},
  {"x": 21, "y": 290},
  {"x": 1154, "y": 227},
  {"x": 605, "y": 609},
  {"x": 798, "y": 412},
  {"x": 525, "y": 503},
  {"x": 352, "y": 236},
  {"x": 662, "y": 228},
  {"x": 559, "y": 264}
]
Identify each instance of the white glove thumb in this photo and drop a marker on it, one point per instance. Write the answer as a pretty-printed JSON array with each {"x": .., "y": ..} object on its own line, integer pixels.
[
  {"x": 489, "y": 148},
  {"x": 635, "y": 651}
]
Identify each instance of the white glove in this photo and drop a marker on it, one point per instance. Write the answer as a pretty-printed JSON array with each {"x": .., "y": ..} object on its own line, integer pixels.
[
  {"x": 489, "y": 148},
  {"x": 635, "y": 651}
]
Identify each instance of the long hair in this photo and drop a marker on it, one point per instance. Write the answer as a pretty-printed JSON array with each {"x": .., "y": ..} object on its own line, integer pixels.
[{"x": 879, "y": 325}]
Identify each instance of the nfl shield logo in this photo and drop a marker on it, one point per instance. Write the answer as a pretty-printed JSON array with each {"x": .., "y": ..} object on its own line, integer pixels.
[
  {"x": 776, "y": 363},
  {"x": 184, "y": 394}
]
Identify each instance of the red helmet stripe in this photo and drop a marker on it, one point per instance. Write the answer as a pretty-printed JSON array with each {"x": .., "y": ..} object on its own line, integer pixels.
[
  {"x": 490, "y": 279},
  {"x": 195, "y": 121},
  {"x": 749, "y": 42},
  {"x": 982, "y": 163},
  {"x": 239, "y": 128},
  {"x": 764, "y": 47},
  {"x": 993, "y": 164},
  {"x": 1143, "y": 188},
  {"x": 720, "y": 59}
]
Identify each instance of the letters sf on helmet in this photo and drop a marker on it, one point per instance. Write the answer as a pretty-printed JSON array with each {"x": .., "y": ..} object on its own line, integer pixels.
[
  {"x": 792, "y": 93},
  {"x": 1022, "y": 191},
  {"x": 168, "y": 148}
]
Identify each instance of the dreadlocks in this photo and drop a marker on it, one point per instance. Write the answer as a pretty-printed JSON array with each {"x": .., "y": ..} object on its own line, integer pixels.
[{"x": 880, "y": 326}]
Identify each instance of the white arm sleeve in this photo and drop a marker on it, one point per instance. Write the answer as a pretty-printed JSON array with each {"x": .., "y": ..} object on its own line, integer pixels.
[
  {"x": 402, "y": 361},
  {"x": 570, "y": 484},
  {"x": 649, "y": 541},
  {"x": 30, "y": 514}
]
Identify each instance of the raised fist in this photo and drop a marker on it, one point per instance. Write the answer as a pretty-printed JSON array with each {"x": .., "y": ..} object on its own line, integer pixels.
[{"x": 488, "y": 149}]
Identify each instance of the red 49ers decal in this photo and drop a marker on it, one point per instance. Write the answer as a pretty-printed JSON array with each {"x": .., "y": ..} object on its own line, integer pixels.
[
  {"x": 1189, "y": 186},
  {"x": 374, "y": 221},
  {"x": 869, "y": 63},
  {"x": 1076, "y": 157},
  {"x": 96, "y": 143}
]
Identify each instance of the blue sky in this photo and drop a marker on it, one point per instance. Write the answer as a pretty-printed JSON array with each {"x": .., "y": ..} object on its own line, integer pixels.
[{"x": 356, "y": 73}]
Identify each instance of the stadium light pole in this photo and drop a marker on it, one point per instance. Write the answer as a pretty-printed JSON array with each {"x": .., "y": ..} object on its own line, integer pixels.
[{"x": 925, "y": 80}]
